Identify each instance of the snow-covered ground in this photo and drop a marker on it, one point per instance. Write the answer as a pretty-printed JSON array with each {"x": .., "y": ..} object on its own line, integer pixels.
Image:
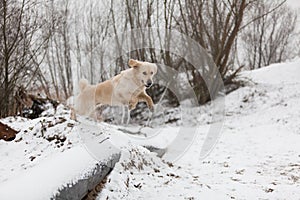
[{"x": 257, "y": 156}]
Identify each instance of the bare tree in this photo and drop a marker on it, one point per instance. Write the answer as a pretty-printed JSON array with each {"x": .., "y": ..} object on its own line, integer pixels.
[
  {"x": 268, "y": 38},
  {"x": 21, "y": 49},
  {"x": 91, "y": 30},
  {"x": 58, "y": 56},
  {"x": 215, "y": 26}
]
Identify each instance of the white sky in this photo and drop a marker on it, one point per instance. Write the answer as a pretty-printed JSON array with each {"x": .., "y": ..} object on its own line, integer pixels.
[{"x": 295, "y": 3}]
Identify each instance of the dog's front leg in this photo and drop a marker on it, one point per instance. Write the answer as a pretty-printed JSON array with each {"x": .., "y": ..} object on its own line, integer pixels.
[
  {"x": 132, "y": 103},
  {"x": 146, "y": 98},
  {"x": 73, "y": 114}
]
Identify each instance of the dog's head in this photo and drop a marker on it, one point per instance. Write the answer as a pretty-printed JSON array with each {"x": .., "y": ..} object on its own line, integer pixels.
[{"x": 144, "y": 71}]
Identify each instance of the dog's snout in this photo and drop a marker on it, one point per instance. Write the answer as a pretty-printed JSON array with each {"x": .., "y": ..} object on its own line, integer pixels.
[{"x": 148, "y": 83}]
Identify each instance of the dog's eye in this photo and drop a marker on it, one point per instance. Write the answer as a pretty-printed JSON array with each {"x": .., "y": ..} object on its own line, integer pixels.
[
  {"x": 151, "y": 73},
  {"x": 145, "y": 73}
]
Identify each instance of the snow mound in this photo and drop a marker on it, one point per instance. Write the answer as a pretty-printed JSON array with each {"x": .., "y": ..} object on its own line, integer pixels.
[
  {"x": 46, "y": 157},
  {"x": 280, "y": 73},
  {"x": 140, "y": 174}
]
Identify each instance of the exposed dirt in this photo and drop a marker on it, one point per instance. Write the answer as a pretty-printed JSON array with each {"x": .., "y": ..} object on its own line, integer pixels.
[{"x": 7, "y": 133}]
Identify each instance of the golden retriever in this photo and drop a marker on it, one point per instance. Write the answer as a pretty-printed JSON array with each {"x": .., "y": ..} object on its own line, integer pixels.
[{"x": 127, "y": 88}]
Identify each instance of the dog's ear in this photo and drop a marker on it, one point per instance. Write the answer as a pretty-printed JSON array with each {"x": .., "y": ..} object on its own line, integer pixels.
[{"x": 134, "y": 63}]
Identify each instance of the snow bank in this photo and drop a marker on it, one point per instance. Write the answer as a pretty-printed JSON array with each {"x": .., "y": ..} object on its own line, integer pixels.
[
  {"x": 43, "y": 180},
  {"x": 281, "y": 73},
  {"x": 48, "y": 159}
]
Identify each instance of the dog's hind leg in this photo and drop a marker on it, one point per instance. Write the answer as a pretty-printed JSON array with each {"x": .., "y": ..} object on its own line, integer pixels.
[
  {"x": 128, "y": 115},
  {"x": 123, "y": 115},
  {"x": 72, "y": 114}
]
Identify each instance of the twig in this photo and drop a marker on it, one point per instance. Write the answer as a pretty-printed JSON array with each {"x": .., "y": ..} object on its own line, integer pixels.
[{"x": 257, "y": 18}]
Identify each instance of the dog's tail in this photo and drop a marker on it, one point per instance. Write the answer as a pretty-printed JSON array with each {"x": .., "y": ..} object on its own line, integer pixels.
[{"x": 82, "y": 84}]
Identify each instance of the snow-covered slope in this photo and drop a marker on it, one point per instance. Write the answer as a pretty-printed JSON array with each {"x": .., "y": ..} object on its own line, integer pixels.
[
  {"x": 275, "y": 74},
  {"x": 46, "y": 157},
  {"x": 257, "y": 156}
]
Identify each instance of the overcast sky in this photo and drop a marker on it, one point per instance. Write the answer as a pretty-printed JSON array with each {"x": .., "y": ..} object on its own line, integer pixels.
[{"x": 294, "y": 3}]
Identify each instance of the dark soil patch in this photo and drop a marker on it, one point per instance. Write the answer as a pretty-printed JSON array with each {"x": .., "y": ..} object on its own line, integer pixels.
[{"x": 7, "y": 133}]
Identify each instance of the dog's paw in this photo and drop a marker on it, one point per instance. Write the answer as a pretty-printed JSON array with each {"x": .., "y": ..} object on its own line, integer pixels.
[
  {"x": 151, "y": 108},
  {"x": 131, "y": 107}
]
